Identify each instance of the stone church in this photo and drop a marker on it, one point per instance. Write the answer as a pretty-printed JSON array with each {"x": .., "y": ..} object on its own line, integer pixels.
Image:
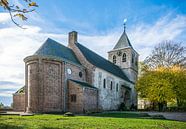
[{"x": 76, "y": 79}]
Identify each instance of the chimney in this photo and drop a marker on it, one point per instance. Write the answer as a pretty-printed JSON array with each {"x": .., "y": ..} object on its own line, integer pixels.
[{"x": 72, "y": 37}]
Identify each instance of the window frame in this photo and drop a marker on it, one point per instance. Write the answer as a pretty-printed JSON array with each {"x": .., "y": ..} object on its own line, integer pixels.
[{"x": 124, "y": 57}]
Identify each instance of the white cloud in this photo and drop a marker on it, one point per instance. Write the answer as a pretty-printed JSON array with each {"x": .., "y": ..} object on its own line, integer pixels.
[
  {"x": 4, "y": 17},
  {"x": 6, "y": 94},
  {"x": 145, "y": 36}
]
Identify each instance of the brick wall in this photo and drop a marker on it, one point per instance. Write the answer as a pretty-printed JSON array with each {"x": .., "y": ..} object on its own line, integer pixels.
[
  {"x": 46, "y": 83},
  {"x": 86, "y": 98},
  {"x": 19, "y": 102},
  {"x": 75, "y": 89},
  {"x": 89, "y": 67}
]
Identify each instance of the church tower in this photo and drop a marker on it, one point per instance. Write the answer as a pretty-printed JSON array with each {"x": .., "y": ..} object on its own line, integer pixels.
[{"x": 124, "y": 55}]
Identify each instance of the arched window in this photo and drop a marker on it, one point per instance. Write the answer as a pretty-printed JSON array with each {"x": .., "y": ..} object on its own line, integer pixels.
[
  {"x": 124, "y": 57},
  {"x": 114, "y": 59},
  {"x": 117, "y": 87},
  {"x": 104, "y": 83},
  {"x": 133, "y": 58},
  {"x": 111, "y": 85}
]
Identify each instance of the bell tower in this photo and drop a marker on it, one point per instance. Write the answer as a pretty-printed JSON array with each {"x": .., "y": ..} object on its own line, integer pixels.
[{"x": 124, "y": 55}]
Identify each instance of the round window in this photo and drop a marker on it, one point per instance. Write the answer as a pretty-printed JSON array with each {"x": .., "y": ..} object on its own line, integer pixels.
[
  {"x": 69, "y": 71},
  {"x": 80, "y": 74}
]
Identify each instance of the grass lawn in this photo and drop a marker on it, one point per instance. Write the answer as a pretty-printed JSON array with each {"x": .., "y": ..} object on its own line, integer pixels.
[{"x": 99, "y": 121}]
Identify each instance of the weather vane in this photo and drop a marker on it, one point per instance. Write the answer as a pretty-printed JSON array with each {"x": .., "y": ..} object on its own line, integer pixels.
[{"x": 124, "y": 23}]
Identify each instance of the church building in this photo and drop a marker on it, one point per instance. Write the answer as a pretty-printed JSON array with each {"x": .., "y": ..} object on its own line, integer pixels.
[{"x": 74, "y": 78}]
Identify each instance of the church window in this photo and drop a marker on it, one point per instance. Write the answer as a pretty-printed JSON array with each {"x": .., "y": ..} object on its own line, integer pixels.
[
  {"x": 124, "y": 57},
  {"x": 111, "y": 85},
  {"x": 132, "y": 58},
  {"x": 69, "y": 71},
  {"x": 117, "y": 87},
  {"x": 114, "y": 59},
  {"x": 73, "y": 98},
  {"x": 104, "y": 83},
  {"x": 136, "y": 62},
  {"x": 80, "y": 74}
]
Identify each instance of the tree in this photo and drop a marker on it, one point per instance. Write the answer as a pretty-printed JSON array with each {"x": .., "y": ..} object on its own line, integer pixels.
[
  {"x": 17, "y": 11},
  {"x": 178, "y": 80},
  {"x": 167, "y": 54},
  {"x": 163, "y": 85},
  {"x": 1, "y": 105}
]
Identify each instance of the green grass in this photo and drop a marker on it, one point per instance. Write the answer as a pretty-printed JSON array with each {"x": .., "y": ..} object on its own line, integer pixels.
[{"x": 103, "y": 121}]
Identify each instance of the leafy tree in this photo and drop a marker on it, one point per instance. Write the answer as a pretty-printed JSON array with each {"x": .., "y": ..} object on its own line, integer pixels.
[
  {"x": 167, "y": 54},
  {"x": 163, "y": 85},
  {"x": 178, "y": 80},
  {"x": 17, "y": 11}
]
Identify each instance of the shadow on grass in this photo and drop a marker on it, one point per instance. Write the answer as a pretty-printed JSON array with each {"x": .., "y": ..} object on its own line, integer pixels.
[
  {"x": 5, "y": 126},
  {"x": 127, "y": 115}
]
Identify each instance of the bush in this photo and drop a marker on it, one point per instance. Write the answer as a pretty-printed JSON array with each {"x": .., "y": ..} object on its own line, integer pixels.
[{"x": 122, "y": 107}]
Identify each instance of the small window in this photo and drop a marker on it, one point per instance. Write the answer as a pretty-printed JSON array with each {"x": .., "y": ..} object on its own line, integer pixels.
[
  {"x": 111, "y": 85},
  {"x": 104, "y": 83},
  {"x": 114, "y": 59},
  {"x": 73, "y": 98},
  {"x": 124, "y": 57},
  {"x": 117, "y": 87},
  {"x": 80, "y": 74},
  {"x": 132, "y": 58}
]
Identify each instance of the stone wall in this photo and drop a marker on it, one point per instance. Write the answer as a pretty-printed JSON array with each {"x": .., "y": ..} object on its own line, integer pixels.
[
  {"x": 130, "y": 69},
  {"x": 90, "y": 99},
  {"x": 19, "y": 102},
  {"x": 110, "y": 98}
]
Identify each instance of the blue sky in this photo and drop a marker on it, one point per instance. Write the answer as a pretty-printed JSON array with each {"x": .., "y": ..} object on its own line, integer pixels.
[{"x": 99, "y": 24}]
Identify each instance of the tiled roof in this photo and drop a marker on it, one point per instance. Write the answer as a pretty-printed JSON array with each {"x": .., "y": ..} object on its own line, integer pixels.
[
  {"x": 101, "y": 62},
  {"x": 52, "y": 48},
  {"x": 123, "y": 42},
  {"x": 84, "y": 84}
]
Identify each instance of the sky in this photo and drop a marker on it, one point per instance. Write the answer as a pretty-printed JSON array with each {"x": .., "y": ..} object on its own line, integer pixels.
[{"x": 99, "y": 24}]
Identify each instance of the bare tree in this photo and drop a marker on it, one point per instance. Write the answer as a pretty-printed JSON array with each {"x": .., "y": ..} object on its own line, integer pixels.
[
  {"x": 166, "y": 54},
  {"x": 16, "y": 11}
]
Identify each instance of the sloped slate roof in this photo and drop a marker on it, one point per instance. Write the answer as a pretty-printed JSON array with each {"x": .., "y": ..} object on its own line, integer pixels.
[
  {"x": 123, "y": 42},
  {"x": 101, "y": 62},
  {"x": 54, "y": 49},
  {"x": 84, "y": 84}
]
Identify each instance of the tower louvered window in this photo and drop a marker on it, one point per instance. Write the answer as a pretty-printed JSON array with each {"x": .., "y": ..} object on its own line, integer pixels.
[
  {"x": 124, "y": 57},
  {"x": 114, "y": 59}
]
